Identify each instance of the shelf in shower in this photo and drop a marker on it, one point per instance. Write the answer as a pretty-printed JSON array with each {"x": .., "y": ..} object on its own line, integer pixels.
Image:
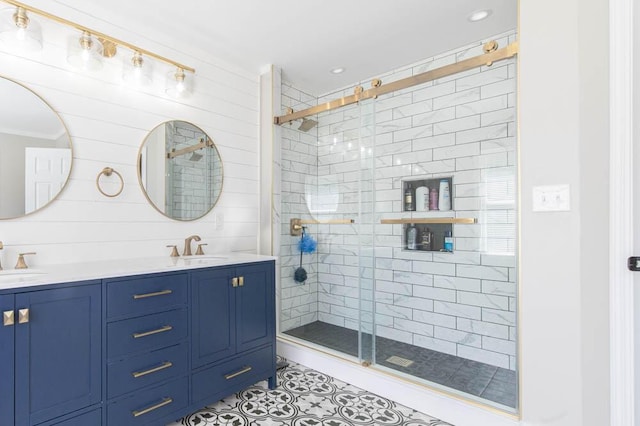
[{"x": 444, "y": 220}]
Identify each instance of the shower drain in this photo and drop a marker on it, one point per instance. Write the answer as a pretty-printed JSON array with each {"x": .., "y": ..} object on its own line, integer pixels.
[{"x": 402, "y": 362}]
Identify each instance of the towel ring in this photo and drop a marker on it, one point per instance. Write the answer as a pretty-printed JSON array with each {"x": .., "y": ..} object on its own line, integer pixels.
[{"x": 107, "y": 171}]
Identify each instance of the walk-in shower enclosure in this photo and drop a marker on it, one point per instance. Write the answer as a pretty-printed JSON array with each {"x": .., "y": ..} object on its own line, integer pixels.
[{"x": 404, "y": 280}]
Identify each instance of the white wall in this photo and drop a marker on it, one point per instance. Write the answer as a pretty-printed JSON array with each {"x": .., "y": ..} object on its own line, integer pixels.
[{"x": 107, "y": 123}]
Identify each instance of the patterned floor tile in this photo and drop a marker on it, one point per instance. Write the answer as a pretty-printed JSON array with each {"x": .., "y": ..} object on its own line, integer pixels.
[{"x": 305, "y": 397}]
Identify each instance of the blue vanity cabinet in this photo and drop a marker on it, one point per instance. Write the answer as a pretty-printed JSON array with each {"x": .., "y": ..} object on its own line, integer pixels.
[
  {"x": 51, "y": 353},
  {"x": 233, "y": 325}
]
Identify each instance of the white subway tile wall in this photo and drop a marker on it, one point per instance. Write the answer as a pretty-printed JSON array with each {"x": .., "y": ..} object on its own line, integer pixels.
[{"x": 462, "y": 126}]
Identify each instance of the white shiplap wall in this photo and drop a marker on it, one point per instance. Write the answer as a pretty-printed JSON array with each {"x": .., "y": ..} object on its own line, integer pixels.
[{"x": 107, "y": 123}]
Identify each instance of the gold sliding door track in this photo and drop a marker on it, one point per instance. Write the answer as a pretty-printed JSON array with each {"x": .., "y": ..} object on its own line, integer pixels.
[{"x": 492, "y": 54}]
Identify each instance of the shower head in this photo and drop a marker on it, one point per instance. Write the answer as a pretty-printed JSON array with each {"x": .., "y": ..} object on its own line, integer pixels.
[
  {"x": 195, "y": 156},
  {"x": 307, "y": 124}
]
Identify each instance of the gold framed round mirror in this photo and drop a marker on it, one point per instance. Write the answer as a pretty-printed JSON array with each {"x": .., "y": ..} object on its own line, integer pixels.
[
  {"x": 36, "y": 154},
  {"x": 180, "y": 170}
]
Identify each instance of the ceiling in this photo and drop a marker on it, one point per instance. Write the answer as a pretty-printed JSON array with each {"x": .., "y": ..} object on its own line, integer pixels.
[{"x": 307, "y": 38}]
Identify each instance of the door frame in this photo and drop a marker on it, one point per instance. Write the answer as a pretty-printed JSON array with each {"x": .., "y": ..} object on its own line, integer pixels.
[{"x": 621, "y": 291}]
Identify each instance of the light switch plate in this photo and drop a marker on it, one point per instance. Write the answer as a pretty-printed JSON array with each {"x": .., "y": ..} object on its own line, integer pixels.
[{"x": 552, "y": 198}]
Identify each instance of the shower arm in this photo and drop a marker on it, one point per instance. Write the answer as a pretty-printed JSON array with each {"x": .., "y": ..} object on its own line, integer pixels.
[{"x": 208, "y": 143}]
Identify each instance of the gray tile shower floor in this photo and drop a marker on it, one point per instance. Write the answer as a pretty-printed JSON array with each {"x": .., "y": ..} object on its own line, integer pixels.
[
  {"x": 476, "y": 378},
  {"x": 305, "y": 397}
]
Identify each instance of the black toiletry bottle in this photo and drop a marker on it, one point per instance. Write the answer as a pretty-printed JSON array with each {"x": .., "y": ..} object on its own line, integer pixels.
[
  {"x": 408, "y": 198},
  {"x": 426, "y": 240}
]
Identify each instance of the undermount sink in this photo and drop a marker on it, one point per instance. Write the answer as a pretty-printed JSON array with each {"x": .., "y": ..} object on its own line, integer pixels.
[
  {"x": 18, "y": 275},
  {"x": 196, "y": 260}
]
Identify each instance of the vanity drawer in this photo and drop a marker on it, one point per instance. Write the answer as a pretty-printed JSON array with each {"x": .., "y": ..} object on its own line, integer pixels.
[
  {"x": 146, "y": 333},
  {"x": 145, "y": 370},
  {"x": 140, "y": 296},
  {"x": 150, "y": 405},
  {"x": 232, "y": 375}
]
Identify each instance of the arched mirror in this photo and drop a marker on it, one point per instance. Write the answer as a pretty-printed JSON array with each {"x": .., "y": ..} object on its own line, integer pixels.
[
  {"x": 35, "y": 151},
  {"x": 180, "y": 170}
]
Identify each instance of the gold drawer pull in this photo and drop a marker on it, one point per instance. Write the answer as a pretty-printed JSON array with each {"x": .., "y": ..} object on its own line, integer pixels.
[
  {"x": 237, "y": 373},
  {"x": 234, "y": 282},
  {"x": 8, "y": 318},
  {"x": 241, "y": 281},
  {"x": 23, "y": 316},
  {"x": 149, "y": 333},
  {"x": 164, "y": 366},
  {"x": 154, "y": 294},
  {"x": 165, "y": 401}
]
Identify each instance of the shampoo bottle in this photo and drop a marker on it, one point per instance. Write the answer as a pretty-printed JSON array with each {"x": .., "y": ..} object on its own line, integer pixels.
[
  {"x": 412, "y": 236},
  {"x": 422, "y": 199},
  {"x": 433, "y": 199},
  {"x": 444, "y": 201},
  {"x": 448, "y": 241},
  {"x": 408, "y": 198}
]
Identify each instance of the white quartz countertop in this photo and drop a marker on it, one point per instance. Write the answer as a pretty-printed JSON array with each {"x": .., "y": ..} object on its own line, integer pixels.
[{"x": 82, "y": 271}]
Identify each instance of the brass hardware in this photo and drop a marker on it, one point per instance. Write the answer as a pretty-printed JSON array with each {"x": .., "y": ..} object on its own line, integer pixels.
[
  {"x": 100, "y": 36},
  {"x": 109, "y": 48},
  {"x": 203, "y": 144},
  {"x": 241, "y": 281},
  {"x": 21, "y": 264},
  {"x": 234, "y": 282},
  {"x": 357, "y": 91},
  {"x": 199, "y": 251},
  {"x": 464, "y": 65},
  {"x": 187, "y": 244},
  {"x": 376, "y": 82},
  {"x": 165, "y": 401},
  {"x": 174, "y": 251},
  {"x": 152, "y": 332},
  {"x": 295, "y": 227},
  {"x": 154, "y": 294},
  {"x": 8, "y": 318},
  {"x": 490, "y": 46},
  {"x": 366, "y": 363},
  {"x": 164, "y": 366},
  {"x": 23, "y": 316},
  {"x": 108, "y": 171},
  {"x": 237, "y": 373},
  {"x": 446, "y": 220}
]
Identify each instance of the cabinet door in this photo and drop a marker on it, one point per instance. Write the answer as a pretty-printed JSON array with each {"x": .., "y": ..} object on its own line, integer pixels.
[
  {"x": 6, "y": 363},
  {"x": 255, "y": 306},
  {"x": 213, "y": 317},
  {"x": 58, "y": 352}
]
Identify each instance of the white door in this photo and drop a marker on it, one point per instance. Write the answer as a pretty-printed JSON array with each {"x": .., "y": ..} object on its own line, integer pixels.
[{"x": 45, "y": 172}]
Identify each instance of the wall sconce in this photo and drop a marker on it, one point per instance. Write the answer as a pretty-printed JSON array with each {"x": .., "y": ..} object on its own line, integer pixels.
[
  {"x": 177, "y": 84},
  {"x": 85, "y": 53},
  {"x": 137, "y": 71},
  {"x": 18, "y": 31}
]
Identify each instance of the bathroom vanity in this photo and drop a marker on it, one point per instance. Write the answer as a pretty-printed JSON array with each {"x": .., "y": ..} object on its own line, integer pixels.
[{"x": 140, "y": 342}]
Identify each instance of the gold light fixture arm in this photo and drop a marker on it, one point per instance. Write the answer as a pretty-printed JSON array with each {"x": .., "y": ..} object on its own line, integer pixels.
[{"x": 99, "y": 35}]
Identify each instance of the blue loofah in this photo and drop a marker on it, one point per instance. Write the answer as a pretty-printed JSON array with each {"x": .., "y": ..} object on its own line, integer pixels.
[{"x": 307, "y": 244}]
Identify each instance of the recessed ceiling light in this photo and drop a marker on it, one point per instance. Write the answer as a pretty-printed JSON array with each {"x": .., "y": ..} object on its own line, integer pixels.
[
  {"x": 338, "y": 70},
  {"x": 479, "y": 15}
]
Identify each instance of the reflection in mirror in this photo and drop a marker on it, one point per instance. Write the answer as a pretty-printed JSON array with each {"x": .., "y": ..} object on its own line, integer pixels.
[
  {"x": 35, "y": 151},
  {"x": 180, "y": 170}
]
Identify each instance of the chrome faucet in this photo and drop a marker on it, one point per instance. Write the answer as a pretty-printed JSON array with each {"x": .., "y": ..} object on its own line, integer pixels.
[{"x": 187, "y": 245}]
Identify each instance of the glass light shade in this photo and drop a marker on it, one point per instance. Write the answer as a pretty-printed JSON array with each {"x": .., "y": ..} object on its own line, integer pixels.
[
  {"x": 85, "y": 53},
  {"x": 137, "y": 71},
  {"x": 178, "y": 84},
  {"x": 18, "y": 32}
]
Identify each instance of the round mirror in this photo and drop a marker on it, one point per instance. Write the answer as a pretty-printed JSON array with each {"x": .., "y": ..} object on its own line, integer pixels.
[
  {"x": 180, "y": 170},
  {"x": 35, "y": 151}
]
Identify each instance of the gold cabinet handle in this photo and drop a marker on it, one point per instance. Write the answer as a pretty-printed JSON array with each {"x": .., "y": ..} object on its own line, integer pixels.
[
  {"x": 234, "y": 282},
  {"x": 149, "y": 333},
  {"x": 165, "y": 401},
  {"x": 237, "y": 373},
  {"x": 241, "y": 281},
  {"x": 8, "y": 318},
  {"x": 164, "y": 366},
  {"x": 154, "y": 294},
  {"x": 23, "y": 316}
]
